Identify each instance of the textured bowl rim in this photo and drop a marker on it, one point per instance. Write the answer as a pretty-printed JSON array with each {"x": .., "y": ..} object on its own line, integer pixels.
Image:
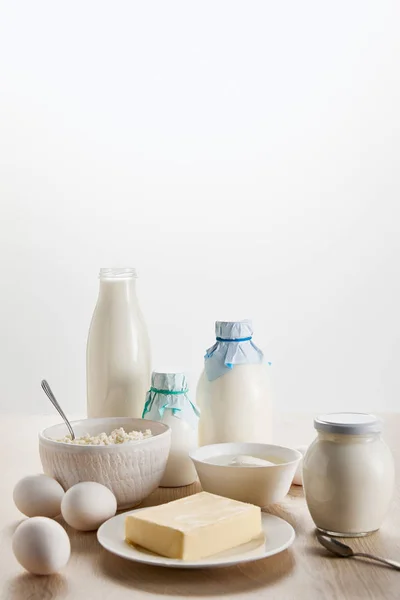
[
  {"x": 193, "y": 455},
  {"x": 43, "y": 439}
]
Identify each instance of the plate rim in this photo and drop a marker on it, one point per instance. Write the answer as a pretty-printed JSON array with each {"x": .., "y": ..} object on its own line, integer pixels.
[{"x": 161, "y": 560}]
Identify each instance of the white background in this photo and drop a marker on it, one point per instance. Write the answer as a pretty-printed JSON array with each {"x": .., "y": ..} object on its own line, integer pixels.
[{"x": 244, "y": 156}]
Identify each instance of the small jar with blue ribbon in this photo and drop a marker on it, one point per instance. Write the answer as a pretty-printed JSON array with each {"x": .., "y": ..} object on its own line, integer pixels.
[
  {"x": 168, "y": 401},
  {"x": 233, "y": 392}
]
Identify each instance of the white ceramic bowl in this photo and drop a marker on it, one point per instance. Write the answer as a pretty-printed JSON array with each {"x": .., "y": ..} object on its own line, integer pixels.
[
  {"x": 131, "y": 470},
  {"x": 257, "y": 485}
]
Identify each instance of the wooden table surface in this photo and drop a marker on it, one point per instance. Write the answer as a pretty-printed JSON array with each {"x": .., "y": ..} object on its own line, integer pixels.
[{"x": 303, "y": 571}]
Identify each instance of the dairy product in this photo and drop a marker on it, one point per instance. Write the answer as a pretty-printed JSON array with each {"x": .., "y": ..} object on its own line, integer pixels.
[
  {"x": 298, "y": 476},
  {"x": 249, "y": 461},
  {"x": 194, "y": 527},
  {"x": 168, "y": 401},
  {"x": 180, "y": 469},
  {"x": 235, "y": 407},
  {"x": 348, "y": 474},
  {"x": 117, "y": 436},
  {"x": 233, "y": 392},
  {"x": 118, "y": 349},
  {"x": 241, "y": 460}
]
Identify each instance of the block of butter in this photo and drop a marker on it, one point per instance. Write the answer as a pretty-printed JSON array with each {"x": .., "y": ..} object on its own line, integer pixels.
[{"x": 194, "y": 527}]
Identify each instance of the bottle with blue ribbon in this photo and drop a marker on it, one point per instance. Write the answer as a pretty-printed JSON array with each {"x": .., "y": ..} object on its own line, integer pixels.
[
  {"x": 168, "y": 401},
  {"x": 233, "y": 392}
]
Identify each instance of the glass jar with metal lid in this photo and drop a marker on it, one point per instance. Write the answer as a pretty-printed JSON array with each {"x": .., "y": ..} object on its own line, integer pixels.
[{"x": 348, "y": 474}]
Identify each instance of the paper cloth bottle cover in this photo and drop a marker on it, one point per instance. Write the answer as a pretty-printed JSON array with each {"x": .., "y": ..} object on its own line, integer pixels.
[
  {"x": 234, "y": 346},
  {"x": 169, "y": 392}
]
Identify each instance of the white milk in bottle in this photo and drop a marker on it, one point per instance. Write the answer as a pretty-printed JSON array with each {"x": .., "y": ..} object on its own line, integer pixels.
[
  {"x": 168, "y": 401},
  {"x": 233, "y": 392},
  {"x": 118, "y": 349}
]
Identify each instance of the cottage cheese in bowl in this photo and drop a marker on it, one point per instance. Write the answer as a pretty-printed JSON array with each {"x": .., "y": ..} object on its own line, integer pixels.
[
  {"x": 117, "y": 436},
  {"x": 130, "y": 460}
]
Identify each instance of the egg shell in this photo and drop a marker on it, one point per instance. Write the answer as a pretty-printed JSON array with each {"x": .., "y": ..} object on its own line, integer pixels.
[
  {"x": 38, "y": 496},
  {"x": 87, "y": 505},
  {"x": 41, "y": 546},
  {"x": 298, "y": 476}
]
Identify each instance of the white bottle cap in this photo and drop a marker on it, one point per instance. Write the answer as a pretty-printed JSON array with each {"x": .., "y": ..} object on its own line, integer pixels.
[{"x": 348, "y": 423}]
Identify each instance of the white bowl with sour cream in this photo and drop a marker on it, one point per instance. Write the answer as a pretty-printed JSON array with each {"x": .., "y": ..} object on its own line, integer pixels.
[{"x": 228, "y": 470}]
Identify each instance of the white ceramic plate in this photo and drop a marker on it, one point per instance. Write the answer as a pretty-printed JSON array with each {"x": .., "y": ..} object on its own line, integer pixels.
[{"x": 279, "y": 535}]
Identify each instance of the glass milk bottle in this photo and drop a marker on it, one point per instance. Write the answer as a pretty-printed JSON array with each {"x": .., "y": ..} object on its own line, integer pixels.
[
  {"x": 118, "y": 349},
  {"x": 168, "y": 401},
  {"x": 233, "y": 392}
]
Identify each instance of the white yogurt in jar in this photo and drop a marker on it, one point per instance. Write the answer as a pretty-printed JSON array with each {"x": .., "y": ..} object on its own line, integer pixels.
[{"x": 348, "y": 474}]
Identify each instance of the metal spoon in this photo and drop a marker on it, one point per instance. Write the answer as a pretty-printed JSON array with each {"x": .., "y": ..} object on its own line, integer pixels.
[
  {"x": 345, "y": 551},
  {"x": 47, "y": 390}
]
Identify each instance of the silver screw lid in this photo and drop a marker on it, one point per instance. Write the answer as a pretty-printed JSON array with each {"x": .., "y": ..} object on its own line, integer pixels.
[{"x": 348, "y": 423}]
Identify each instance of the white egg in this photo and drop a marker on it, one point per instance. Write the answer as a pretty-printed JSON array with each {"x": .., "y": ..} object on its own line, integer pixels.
[
  {"x": 298, "y": 476},
  {"x": 41, "y": 546},
  {"x": 38, "y": 496},
  {"x": 87, "y": 505}
]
